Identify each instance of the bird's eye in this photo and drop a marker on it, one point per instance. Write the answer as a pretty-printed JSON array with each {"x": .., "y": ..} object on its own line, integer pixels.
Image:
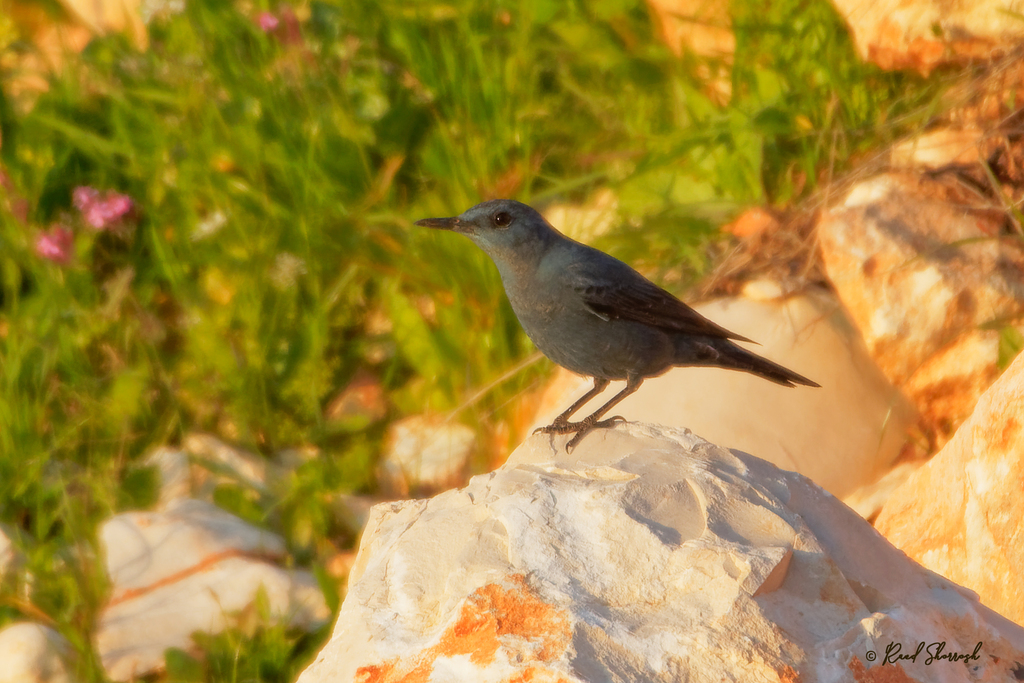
[{"x": 502, "y": 219}]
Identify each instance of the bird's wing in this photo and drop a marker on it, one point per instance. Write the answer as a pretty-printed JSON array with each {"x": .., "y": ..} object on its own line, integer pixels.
[{"x": 626, "y": 295}]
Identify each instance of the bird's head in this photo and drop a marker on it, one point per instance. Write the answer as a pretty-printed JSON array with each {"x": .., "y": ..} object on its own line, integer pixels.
[{"x": 501, "y": 227}]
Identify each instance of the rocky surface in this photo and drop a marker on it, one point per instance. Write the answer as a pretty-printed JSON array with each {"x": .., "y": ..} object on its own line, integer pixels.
[
  {"x": 843, "y": 435},
  {"x": 33, "y": 653},
  {"x": 922, "y": 34},
  {"x": 192, "y": 567},
  {"x": 928, "y": 279},
  {"x": 960, "y": 515},
  {"x": 648, "y": 555}
]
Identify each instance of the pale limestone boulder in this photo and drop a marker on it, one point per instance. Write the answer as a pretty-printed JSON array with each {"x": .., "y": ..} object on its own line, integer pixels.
[
  {"x": 843, "y": 435},
  {"x": 922, "y": 34},
  {"x": 960, "y": 515},
  {"x": 928, "y": 281},
  {"x": 647, "y": 555},
  {"x": 33, "y": 653},
  {"x": 190, "y": 568},
  {"x": 424, "y": 453}
]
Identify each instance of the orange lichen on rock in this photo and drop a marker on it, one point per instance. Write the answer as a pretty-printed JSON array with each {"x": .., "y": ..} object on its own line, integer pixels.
[
  {"x": 889, "y": 673},
  {"x": 507, "y": 620}
]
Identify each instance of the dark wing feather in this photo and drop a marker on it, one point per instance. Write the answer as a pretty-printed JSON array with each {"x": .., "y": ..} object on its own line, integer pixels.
[{"x": 627, "y": 295}]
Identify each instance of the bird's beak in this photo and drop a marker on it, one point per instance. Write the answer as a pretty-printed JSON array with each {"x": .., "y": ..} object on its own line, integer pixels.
[{"x": 440, "y": 223}]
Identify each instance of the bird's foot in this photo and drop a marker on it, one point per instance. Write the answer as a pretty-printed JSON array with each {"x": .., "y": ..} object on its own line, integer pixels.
[
  {"x": 581, "y": 429},
  {"x": 603, "y": 424},
  {"x": 557, "y": 427}
]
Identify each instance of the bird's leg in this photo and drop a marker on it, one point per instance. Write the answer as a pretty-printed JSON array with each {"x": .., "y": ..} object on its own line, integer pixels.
[
  {"x": 563, "y": 419},
  {"x": 591, "y": 421}
]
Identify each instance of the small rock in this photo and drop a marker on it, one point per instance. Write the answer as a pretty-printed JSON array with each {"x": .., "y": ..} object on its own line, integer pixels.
[
  {"x": 111, "y": 16},
  {"x": 424, "y": 453},
  {"x": 752, "y": 222},
  {"x": 705, "y": 29},
  {"x": 190, "y": 569},
  {"x": 205, "y": 462},
  {"x": 359, "y": 404},
  {"x": 33, "y": 653},
  {"x": 585, "y": 222},
  {"x": 647, "y": 555},
  {"x": 223, "y": 463},
  {"x": 960, "y": 515},
  {"x": 701, "y": 27},
  {"x": 843, "y": 435},
  {"x": 924, "y": 272},
  {"x": 939, "y": 149},
  {"x": 922, "y": 34},
  {"x": 174, "y": 469}
]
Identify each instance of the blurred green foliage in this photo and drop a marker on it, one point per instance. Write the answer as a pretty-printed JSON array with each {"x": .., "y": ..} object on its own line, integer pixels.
[{"x": 271, "y": 254}]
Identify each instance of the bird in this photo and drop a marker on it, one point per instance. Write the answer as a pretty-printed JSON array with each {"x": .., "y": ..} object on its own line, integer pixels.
[{"x": 593, "y": 314}]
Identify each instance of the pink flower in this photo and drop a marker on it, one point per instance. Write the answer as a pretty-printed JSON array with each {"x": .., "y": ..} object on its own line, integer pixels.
[
  {"x": 55, "y": 245},
  {"x": 84, "y": 197},
  {"x": 99, "y": 213},
  {"x": 118, "y": 204},
  {"x": 267, "y": 21}
]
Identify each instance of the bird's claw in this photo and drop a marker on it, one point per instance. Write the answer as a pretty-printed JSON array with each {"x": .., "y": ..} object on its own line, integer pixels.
[
  {"x": 581, "y": 429},
  {"x": 560, "y": 428}
]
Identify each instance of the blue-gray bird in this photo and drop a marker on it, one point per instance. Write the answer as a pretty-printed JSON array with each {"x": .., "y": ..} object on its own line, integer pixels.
[{"x": 594, "y": 315}]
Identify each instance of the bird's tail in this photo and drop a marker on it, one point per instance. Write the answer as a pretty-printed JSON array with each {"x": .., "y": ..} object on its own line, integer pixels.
[{"x": 723, "y": 353}]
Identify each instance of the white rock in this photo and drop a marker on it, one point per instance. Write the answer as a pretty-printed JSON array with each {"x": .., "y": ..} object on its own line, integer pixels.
[
  {"x": 190, "y": 569},
  {"x": 937, "y": 149},
  {"x": 923, "y": 34},
  {"x": 173, "y": 468},
  {"x": 225, "y": 463},
  {"x": 424, "y": 452},
  {"x": 648, "y": 555},
  {"x": 33, "y": 653},
  {"x": 843, "y": 435},
  {"x": 205, "y": 462}
]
